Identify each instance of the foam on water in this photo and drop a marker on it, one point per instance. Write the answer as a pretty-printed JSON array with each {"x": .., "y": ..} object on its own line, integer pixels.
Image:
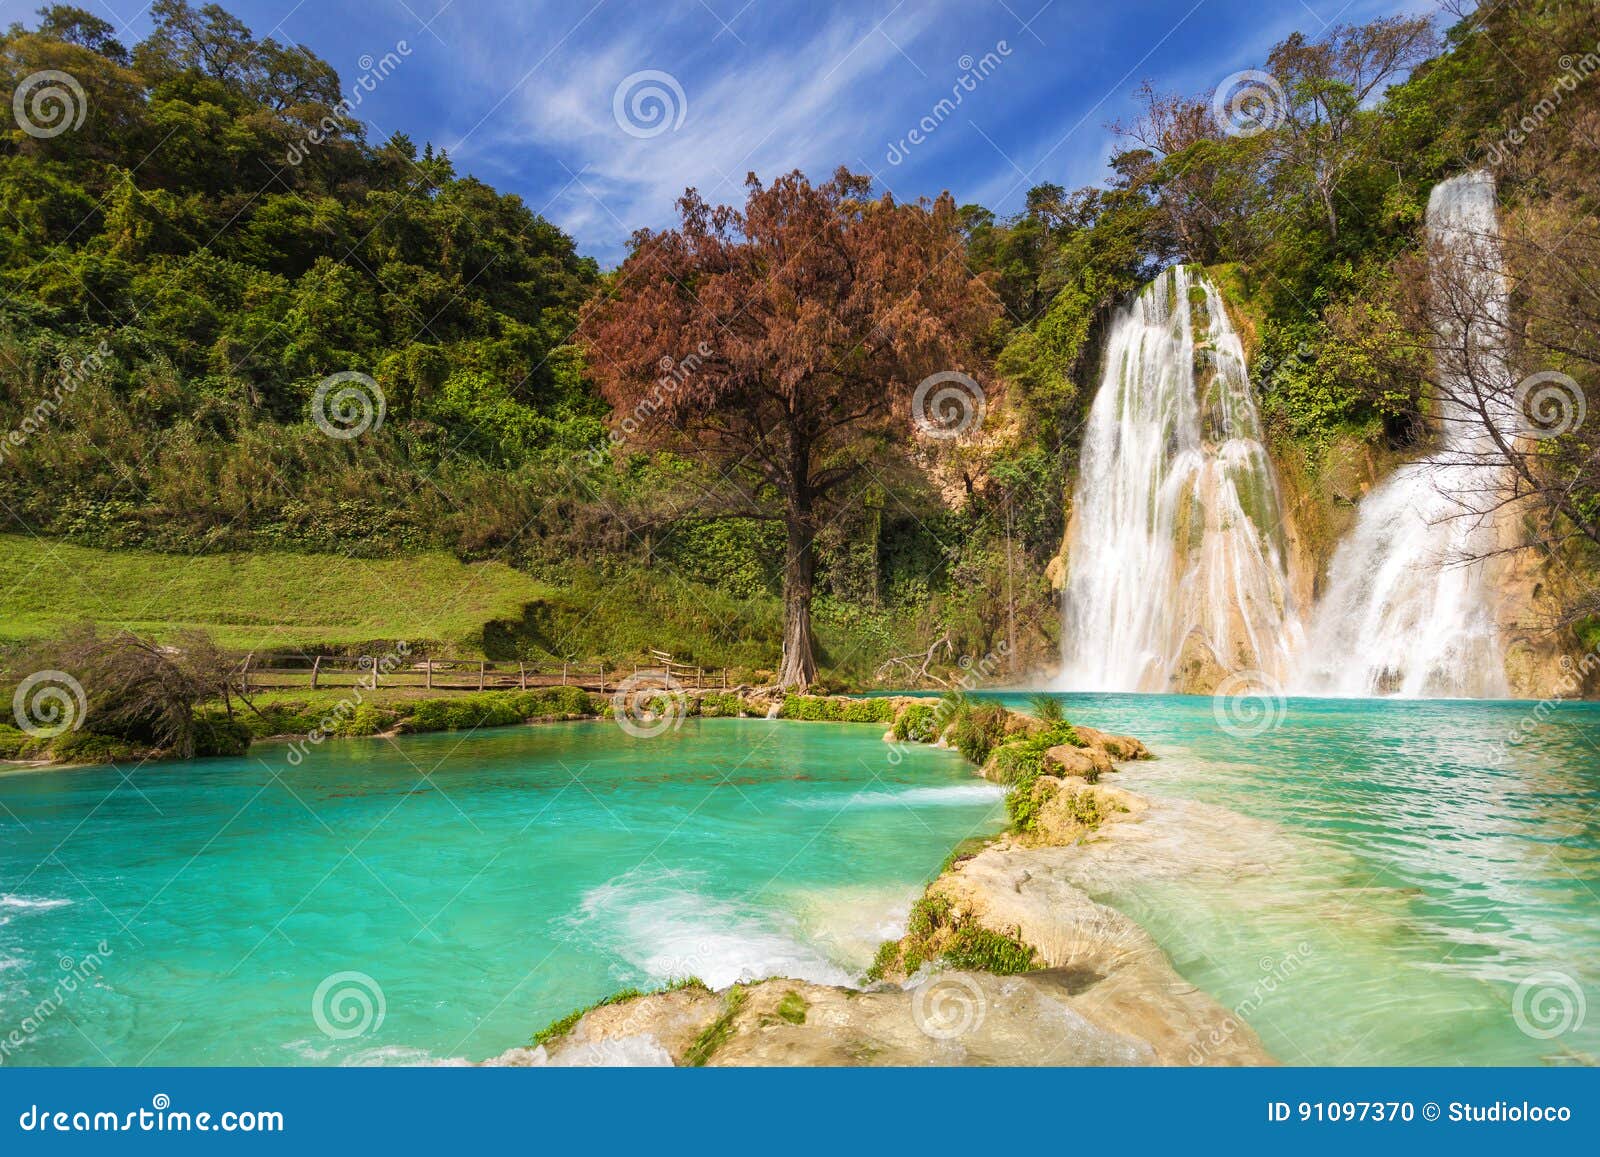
[
  {"x": 483, "y": 909},
  {"x": 956, "y": 795},
  {"x": 669, "y": 929}
]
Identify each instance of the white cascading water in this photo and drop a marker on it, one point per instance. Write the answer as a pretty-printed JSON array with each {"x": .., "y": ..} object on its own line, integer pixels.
[
  {"x": 1407, "y": 609},
  {"x": 1177, "y": 573}
]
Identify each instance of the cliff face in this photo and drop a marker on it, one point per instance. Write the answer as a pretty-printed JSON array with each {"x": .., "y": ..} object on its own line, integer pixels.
[{"x": 1532, "y": 587}]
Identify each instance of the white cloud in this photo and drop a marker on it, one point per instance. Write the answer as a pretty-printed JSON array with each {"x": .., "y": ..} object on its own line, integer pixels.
[{"x": 770, "y": 109}]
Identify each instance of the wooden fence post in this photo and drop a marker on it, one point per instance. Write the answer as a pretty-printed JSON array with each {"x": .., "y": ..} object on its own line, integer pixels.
[
  {"x": 316, "y": 665},
  {"x": 522, "y": 674},
  {"x": 480, "y": 674},
  {"x": 563, "y": 672},
  {"x": 428, "y": 666}
]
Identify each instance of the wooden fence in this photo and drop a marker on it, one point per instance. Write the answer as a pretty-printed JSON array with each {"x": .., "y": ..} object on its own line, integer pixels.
[{"x": 263, "y": 672}]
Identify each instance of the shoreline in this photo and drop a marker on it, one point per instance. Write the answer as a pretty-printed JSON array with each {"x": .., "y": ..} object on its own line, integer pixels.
[{"x": 1069, "y": 981}]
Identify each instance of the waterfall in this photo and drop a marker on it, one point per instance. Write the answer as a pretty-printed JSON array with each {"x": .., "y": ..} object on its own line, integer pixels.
[
  {"x": 1407, "y": 609},
  {"x": 1176, "y": 575}
]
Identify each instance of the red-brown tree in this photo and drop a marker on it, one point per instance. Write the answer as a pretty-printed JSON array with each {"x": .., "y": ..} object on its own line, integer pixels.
[{"x": 780, "y": 343}]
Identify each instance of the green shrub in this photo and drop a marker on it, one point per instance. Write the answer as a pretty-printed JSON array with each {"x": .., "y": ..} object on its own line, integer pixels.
[
  {"x": 978, "y": 949},
  {"x": 1046, "y": 707},
  {"x": 964, "y": 943},
  {"x": 978, "y": 730},
  {"x": 1023, "y": 803},
  {"x": 867, "y": 711},
  {"x": 809, "y": 707},
  {"x": 716, "y": 1034},
  {"x": 498, "y": 708},
  {"x": 927, "y": 915},
  {"x": 363, "y": 721},
  {"x": 13, "y": 743},
  {"x": 917, "y": 723},
  {"x": 888, "y": 955},
  {"x": 219, "y": 735},
  {"x": 1021, "y": 759},
  {"x": 87, "y": 747},
  {"x": 721, "y": 705},
  {"x": 820, "y": 708}
]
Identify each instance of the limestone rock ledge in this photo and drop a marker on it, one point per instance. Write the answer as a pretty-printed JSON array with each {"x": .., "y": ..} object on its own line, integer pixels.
[{"x": 1103, "y": 993}]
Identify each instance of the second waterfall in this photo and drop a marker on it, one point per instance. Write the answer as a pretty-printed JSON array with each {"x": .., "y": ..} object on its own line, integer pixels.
[{"x": 1177, "y": 575}]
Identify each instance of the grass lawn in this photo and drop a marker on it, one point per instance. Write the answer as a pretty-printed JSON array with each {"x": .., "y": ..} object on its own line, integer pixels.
[{"x": 256, "y": 601}]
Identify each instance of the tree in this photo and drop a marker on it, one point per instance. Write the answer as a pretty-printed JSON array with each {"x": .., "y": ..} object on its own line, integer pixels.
[
  {"x": 780, "y": 343},
  {"x": 1326, "y": 84}
]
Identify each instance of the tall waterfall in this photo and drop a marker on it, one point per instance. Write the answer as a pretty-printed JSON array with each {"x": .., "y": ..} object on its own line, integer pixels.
[
  {"x": 1407, "y": 611},
  {"x": 1177, "y": 575}
]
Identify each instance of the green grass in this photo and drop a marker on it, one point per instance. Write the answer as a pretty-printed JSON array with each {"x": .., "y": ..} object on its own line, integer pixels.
[
  {"x": 284, "y": 600},
  {"x": 792, "y": 1008},
  {"x": 256, "y": 601},
  {"x": 717, "y": 1033}
]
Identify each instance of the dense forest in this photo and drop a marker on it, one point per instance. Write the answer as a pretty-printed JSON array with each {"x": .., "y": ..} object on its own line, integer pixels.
[{"x": 184, "y": 271}]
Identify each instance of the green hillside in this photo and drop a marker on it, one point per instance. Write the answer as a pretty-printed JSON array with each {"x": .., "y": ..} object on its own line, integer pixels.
[{"x": 256, "y": 601}]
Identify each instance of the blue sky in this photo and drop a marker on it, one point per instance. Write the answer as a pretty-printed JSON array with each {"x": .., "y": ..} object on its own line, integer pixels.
[{"x": 522, "y": 92}]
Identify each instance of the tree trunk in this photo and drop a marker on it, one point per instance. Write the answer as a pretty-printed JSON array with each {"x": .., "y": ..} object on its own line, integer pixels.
[{"x": 799, "y": 667}]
